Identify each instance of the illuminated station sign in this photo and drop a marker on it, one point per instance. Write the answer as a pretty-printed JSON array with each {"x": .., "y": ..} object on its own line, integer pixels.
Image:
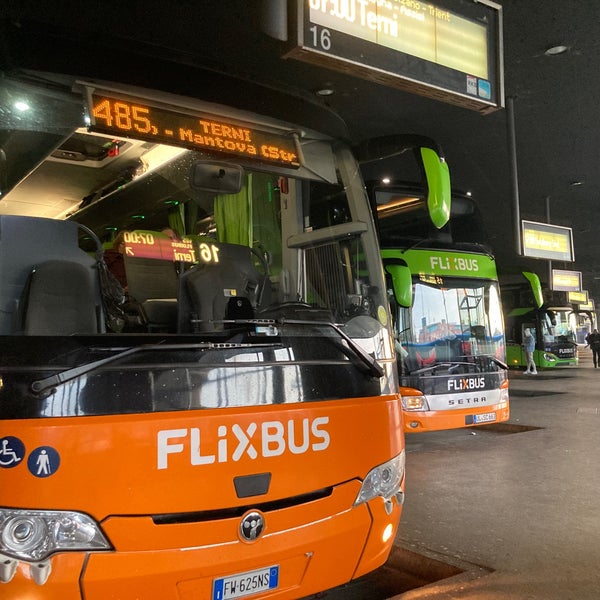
[
  {"x": 450, "y": 50},
  {"x": 566, "y": 281},
  {"x": 124, "y": 116},
  {"x": 552, "y": 242},
  {"x": 581, "y": 297}
]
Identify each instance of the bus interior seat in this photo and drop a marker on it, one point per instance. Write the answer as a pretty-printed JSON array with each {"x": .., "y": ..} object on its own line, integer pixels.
[
  {"x": 230, "y": 288},
  {"x": 27, "y": 241},
  {"x": 152, "y": 286},
  {"x": 60, "y": 299}
]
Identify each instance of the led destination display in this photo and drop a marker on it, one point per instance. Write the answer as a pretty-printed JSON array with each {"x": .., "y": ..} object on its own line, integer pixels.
[{"x": 123, "y": 116}]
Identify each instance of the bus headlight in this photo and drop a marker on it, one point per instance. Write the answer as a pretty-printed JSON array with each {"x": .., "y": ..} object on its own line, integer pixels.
[
  {"x": 414, "y": 403},
  {"x": 383, "y": 481},
  {"x": 33, "y": 535}
]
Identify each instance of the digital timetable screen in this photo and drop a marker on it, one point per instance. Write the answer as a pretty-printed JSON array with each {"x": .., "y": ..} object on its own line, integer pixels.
[
  {"x": 551, "y": 242},
  {"x": 124, "y": 116},
  {"x": 450, "y": 50}
]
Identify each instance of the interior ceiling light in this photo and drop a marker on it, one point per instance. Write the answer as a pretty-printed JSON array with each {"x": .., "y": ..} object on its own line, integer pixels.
[
  {"x": 554, "y": 50},
  {"x": 325, "y": 92}
]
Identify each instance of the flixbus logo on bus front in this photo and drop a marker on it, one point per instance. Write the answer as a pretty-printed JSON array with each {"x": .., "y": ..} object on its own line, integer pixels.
[
  {"x": 270, "y": 438},
  {"x": 466, "y": 383},
  {"x": 453, "y": 264}
]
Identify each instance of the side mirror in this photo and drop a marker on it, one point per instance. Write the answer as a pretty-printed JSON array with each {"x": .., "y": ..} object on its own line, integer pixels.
[
  {"x": 401, "y": 283},
  {"x": 439, "y": 196},
  {"x": 219, "y": 177},
  {"x": 536, "y": 287},
  {"x": 432, "y": 164}
]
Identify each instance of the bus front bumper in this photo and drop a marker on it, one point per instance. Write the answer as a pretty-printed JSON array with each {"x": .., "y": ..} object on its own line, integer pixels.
[
  {"x": 421, "y": 421},
  {"x": 310, "y": 547}
]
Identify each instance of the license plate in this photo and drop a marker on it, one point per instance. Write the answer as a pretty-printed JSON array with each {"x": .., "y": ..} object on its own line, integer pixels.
[
  {"x": 484, "y": 417},
  {"x": 246, "y": 584}
]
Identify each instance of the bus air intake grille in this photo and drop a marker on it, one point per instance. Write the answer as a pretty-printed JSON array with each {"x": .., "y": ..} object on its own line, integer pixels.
[{"x": 238, "y": 511}]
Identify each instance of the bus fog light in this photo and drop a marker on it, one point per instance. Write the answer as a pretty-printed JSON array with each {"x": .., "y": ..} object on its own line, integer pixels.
[
  {"x": 383, "y": 480},
  {"x": 387, "y": 533},
  {"x": 33, "y": 535}
]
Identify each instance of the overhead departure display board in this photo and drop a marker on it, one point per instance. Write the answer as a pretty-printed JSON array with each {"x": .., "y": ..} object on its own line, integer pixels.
[
  {"x": 581, "y": 297},
  {"x": 566, "y": 281},
  {"x": 450, "y": 50},
  {"x": 552, "y": 242}
]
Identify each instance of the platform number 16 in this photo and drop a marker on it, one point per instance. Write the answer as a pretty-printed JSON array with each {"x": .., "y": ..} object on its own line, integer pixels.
[{"x": 321, "y": 38}]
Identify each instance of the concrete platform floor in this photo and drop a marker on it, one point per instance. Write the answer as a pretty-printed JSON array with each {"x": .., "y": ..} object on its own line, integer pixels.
[{"x": 524, "y": 505}]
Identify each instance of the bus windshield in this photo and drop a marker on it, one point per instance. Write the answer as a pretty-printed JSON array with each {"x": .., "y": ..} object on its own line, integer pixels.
[
  {"x": 451, "y": 327},
  {"x": 559, "y": 325},
  {"x": 242, "y": 243}
]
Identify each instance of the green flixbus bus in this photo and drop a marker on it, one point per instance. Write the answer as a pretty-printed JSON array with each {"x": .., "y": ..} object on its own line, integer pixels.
[
  {"x": 446, "y": 306},
  {"x": 548, "y": 314}
]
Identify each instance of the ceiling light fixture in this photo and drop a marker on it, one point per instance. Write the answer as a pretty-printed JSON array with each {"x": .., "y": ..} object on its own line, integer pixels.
[
  {"x": 554, "y": 50},
  {"x": 325, "y": 92}
]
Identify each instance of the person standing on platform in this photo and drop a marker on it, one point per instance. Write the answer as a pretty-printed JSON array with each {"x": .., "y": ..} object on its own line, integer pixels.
[
  {"x": 529, "y": 348},
  {"x": 593, "y": 340}
]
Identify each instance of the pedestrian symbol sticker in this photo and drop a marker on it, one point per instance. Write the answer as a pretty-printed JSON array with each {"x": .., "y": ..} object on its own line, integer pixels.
[
  {"x": 12, "y": 452},
  {"x": 43, "y": 461}
]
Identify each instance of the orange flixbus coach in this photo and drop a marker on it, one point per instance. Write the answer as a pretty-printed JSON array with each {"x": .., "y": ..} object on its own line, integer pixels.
[
  {"x": 217, "y": 415},
  {"x": 226, "y": 422}
]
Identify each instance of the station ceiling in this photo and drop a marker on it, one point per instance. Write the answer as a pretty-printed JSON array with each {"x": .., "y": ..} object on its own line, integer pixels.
[{"x": 555, "y": 102}]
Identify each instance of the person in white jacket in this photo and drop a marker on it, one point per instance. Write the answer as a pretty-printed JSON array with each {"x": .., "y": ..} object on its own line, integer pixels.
[{"x": 529, "y": 347}]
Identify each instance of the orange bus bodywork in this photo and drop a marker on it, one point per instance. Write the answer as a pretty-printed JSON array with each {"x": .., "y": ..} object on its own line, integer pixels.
[{"x": 126, "y": 475}]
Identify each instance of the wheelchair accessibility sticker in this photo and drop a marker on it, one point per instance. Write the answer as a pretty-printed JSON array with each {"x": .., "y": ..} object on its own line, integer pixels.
[
  {"x": 12, "y": 452},
  {"x": 41, "y": 462}
]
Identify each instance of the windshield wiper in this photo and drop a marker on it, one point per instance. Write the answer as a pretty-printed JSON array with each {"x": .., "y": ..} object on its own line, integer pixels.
[
  {"x": 42, "y": 385},
  {"x": 374, "y": 367},
  {"x": 458, "y": 363},
  {"x": 496, "y": 360},
  {"x": 270, "y": 329}
]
